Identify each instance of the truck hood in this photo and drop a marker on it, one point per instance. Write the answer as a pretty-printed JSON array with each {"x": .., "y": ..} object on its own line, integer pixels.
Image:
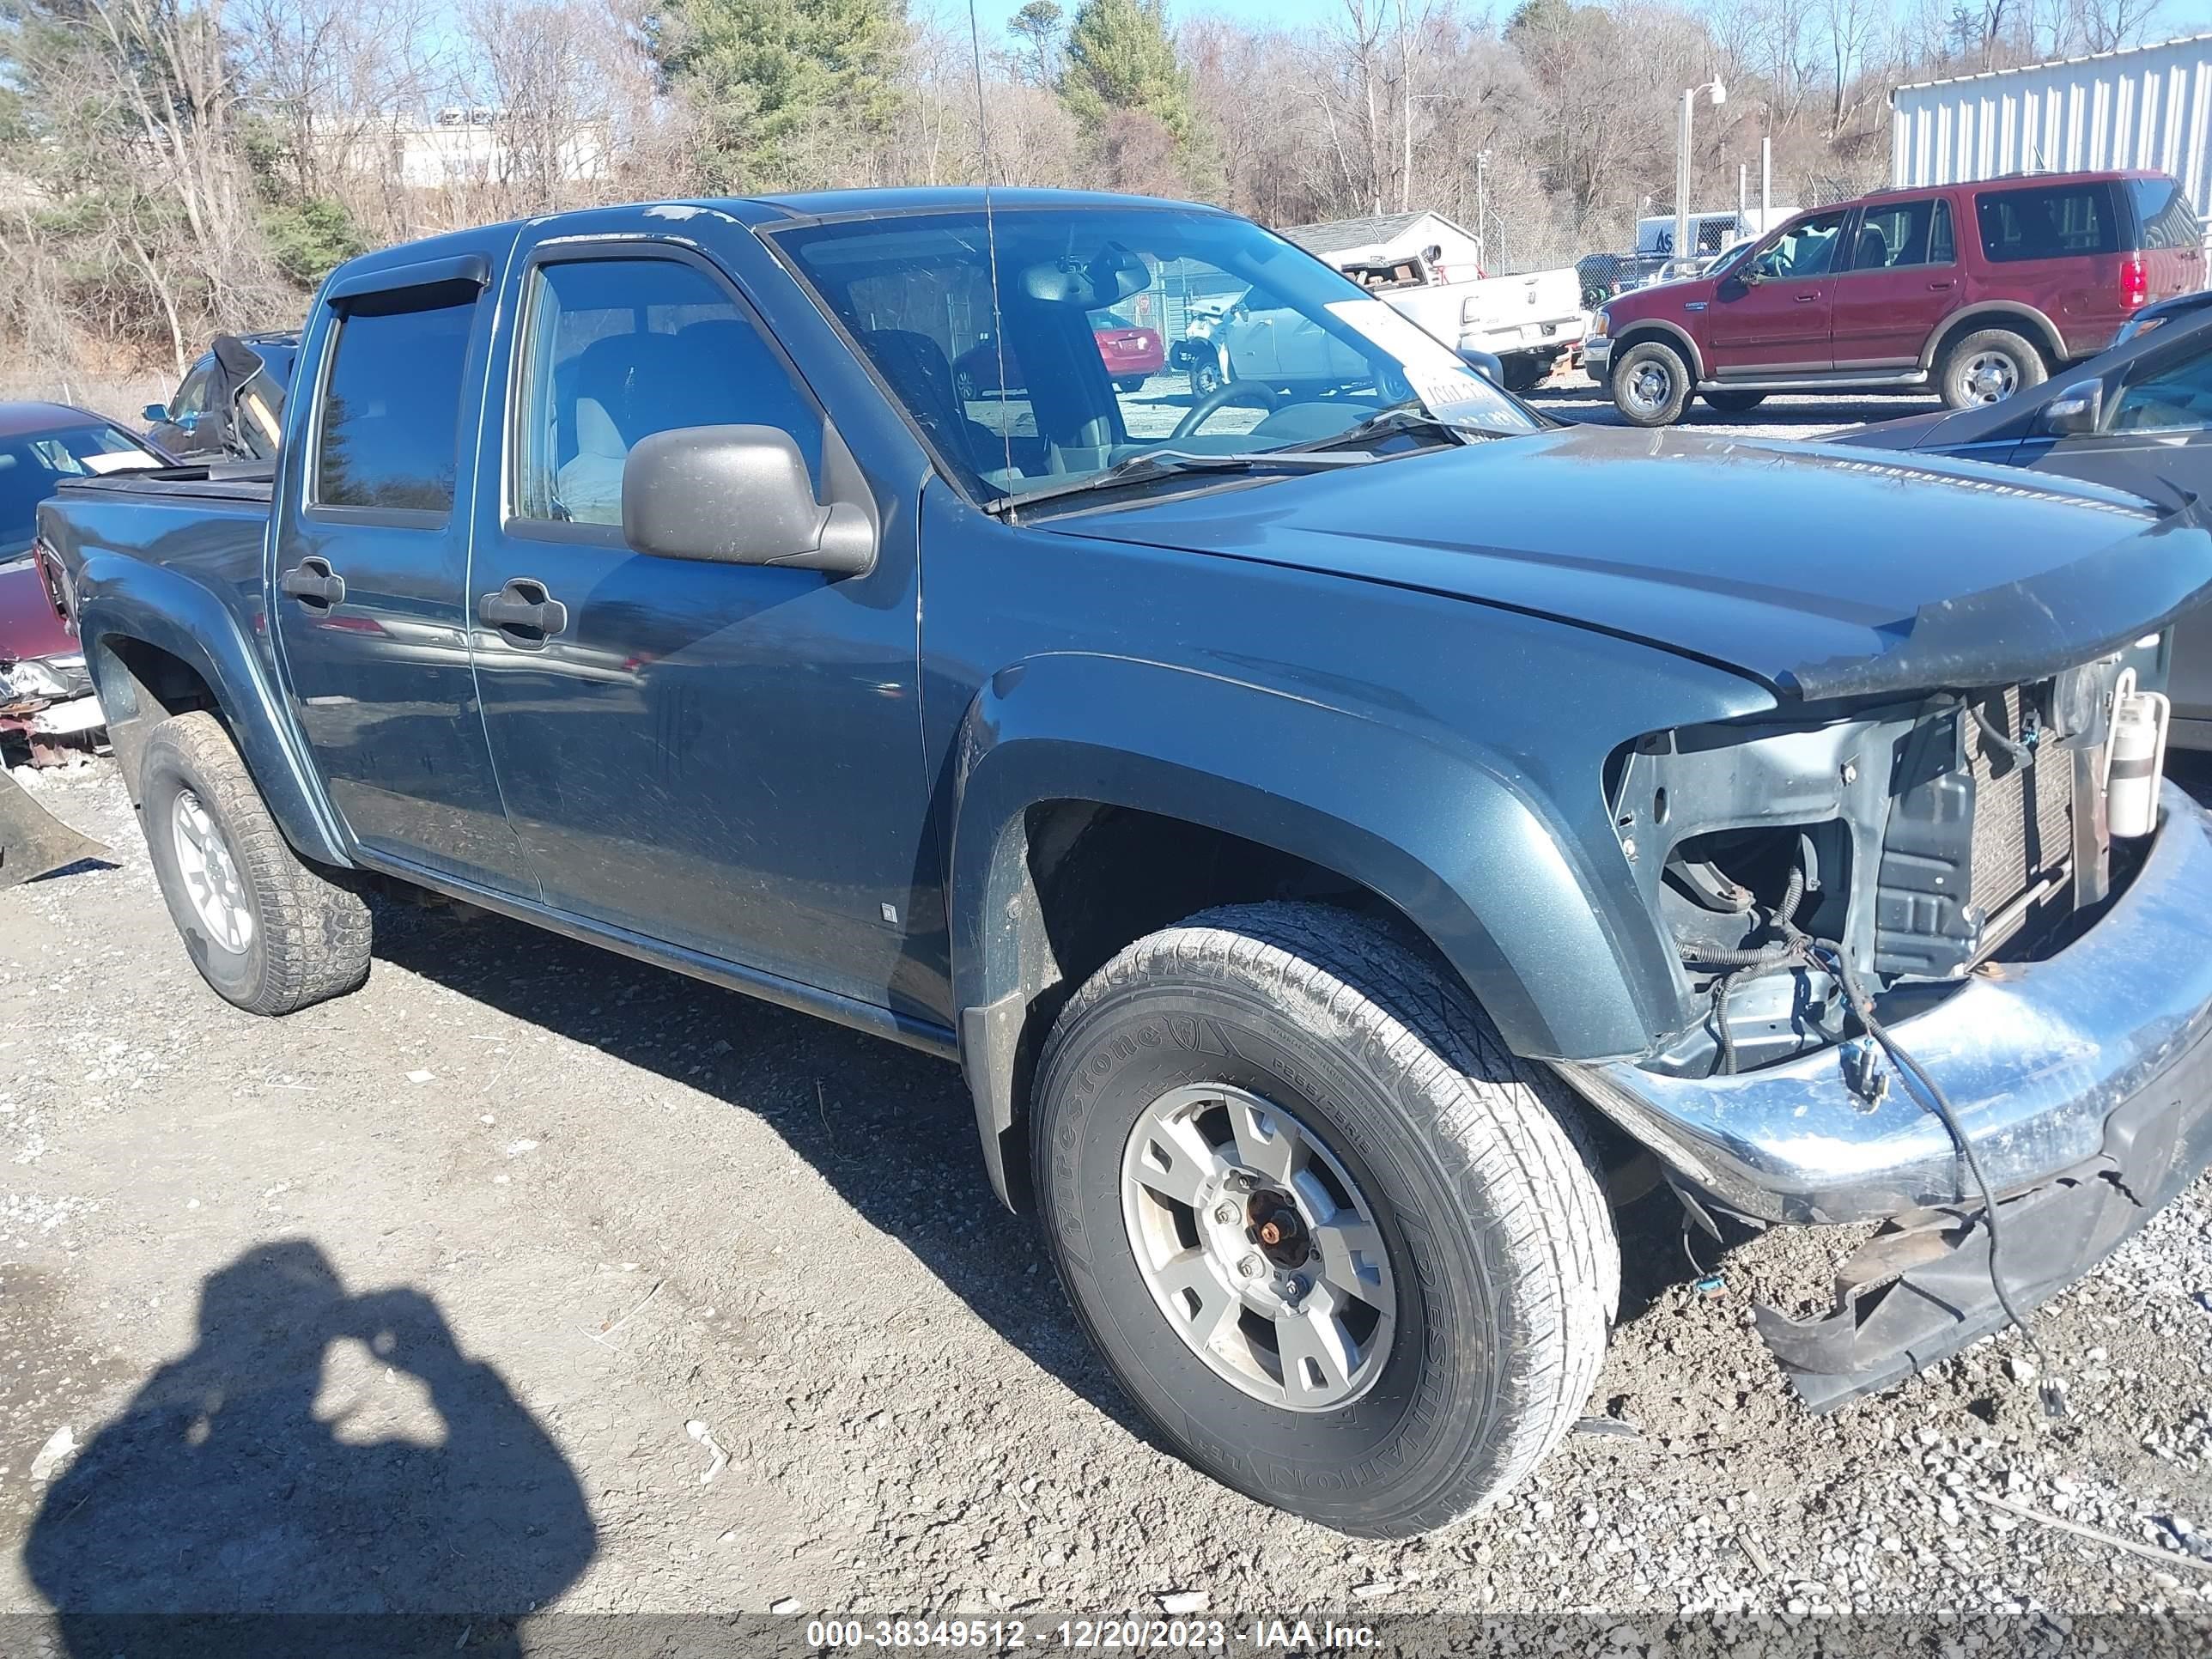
[{"x": 1820, "y": 571}]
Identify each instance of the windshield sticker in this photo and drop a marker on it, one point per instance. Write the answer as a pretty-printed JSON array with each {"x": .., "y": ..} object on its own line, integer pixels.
[
  {"x": 122, "y": 460},
  {"x": 1438, "y": 377}
]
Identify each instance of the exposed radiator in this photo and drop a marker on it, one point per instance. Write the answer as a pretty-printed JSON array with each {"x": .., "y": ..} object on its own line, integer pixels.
[
  {"x": 1972, "y": 831},
  {"x": 2023, "y": 816}
]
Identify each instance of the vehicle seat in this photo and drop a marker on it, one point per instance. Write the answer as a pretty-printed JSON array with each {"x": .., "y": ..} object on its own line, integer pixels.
[
  {"x": 917, "y": 366},
  {"x": 1872, "y": 253},
  {"x": 628, "y": 386}
]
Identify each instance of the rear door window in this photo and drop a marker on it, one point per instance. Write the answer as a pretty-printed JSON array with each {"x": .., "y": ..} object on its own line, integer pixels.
[
  {"x": 2164, "y": 214},
  {"x": 1902, "y": 233},
  {"x": 2054, "y": 222},
  {"x": 390, "y": 429}
]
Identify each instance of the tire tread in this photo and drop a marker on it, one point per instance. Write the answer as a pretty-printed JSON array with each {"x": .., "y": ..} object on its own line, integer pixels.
[
  {"x": 315, "y": 934},
  {"x": 1503, "y": 1127}
]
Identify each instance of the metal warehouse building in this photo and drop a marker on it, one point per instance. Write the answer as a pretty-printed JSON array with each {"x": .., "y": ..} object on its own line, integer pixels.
[{"x": 2148, "y": 106}]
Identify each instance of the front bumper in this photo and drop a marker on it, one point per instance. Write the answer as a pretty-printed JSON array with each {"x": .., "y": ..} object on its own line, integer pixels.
[
  {"x": 1597, "y": 356},
  {"x": 2038, "y": 1060}
]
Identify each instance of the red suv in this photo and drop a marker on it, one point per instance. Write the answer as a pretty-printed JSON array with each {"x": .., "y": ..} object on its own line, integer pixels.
[{"x": 1973, "y": 290}]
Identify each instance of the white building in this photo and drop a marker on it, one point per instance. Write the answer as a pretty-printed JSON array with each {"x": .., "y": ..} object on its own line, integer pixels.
[
  {"x": 2148, "y": 106},
  {"x": 472, "y": 145}
]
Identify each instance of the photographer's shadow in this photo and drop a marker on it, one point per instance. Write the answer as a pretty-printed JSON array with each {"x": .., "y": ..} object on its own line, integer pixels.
[{"x": 219, "y": 1491}]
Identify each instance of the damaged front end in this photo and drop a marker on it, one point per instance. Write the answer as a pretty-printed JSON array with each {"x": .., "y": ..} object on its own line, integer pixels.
[{"x": 1954, "y": 855}]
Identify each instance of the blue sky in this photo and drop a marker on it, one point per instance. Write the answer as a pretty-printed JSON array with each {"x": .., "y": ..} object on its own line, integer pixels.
[{"x": 2176, "y": 17}]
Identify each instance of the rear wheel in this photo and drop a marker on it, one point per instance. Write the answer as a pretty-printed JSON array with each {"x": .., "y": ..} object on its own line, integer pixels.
[
  {"x": 1346, "y": 1252},
  {"x": 1734, "y": 402},
  {"x": 269, "y": 931},
  {"x": 1524, "y": 373},
  {"x": 1988, "y": 365},
  {"x": 1130, "y": 383},
  {"x": 1650, "y": 383}
]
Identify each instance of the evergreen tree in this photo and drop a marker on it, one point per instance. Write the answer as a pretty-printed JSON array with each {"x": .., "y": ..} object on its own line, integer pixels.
[
  {"x": 772, "y": 79},
  {"x": 1120, "y": 58}
]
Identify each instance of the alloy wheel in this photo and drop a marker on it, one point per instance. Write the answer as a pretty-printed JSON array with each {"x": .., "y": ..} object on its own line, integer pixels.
[
  {"x": 1258, "y": 1247},
  {"x": 209, "y": 872}
]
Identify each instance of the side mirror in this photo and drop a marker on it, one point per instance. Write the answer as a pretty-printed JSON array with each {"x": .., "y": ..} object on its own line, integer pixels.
[
  {"x": 1750, "y": 278},
  {"x": 154, "y": 414},
  {"x": 1483, "y": 364},
  {"x": 740, "y": 495},
  {"x": 2075, "y": 412}
]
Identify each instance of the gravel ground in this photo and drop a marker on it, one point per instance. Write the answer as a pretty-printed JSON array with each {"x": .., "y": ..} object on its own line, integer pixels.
[
  {"x": 1571, "y": 395},
  {"x": 533, "y": 1276}
]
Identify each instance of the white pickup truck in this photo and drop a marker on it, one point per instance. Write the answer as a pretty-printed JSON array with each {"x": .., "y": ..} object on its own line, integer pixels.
[{"x": 1527, "y": 321}]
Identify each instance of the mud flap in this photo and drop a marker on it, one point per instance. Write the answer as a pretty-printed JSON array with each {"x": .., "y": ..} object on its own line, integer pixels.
[{"x": 33, "y": 842}]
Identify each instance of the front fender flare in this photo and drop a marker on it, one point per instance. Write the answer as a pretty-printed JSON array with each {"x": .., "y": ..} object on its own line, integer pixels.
[
  {"x": 1474, "y": 862},
  {"x": 126, "y": 600}
]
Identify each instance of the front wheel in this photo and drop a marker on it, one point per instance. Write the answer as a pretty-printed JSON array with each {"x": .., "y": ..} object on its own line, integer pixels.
[
  {"x": 268, "y": 931},
  {"x": 1650, "y": 383},
  {"x": 1206, "y": 380},
  {"x": 1348, "y": 1254}
]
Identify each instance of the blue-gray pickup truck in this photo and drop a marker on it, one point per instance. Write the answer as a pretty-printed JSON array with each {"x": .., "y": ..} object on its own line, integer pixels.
[{"x": 1345, "y": 831}]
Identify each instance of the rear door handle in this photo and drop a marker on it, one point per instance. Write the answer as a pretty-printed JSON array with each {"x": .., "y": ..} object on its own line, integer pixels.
[
  {"x": 1808, "y": 299},
  {"x": 524, "y": 612},
  {"x": 314, "y": 583},
  {"x": 1941, "y": 287}
]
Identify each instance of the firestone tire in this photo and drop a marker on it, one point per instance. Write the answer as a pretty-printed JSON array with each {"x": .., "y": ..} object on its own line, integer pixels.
[
  {"x": 1494, "y": 1236},
  {"x": 1987, "y": 367},
  {"x": 1650, "y": 383},
  {"x": 268, "y": 932}
]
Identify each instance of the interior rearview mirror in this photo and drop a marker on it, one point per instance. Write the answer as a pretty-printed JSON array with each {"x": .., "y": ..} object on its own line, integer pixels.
[
  {"x": 2076, "y": 412},
  {"x": 1108, "y": 279},
  {"x": 740, "y": 495}
]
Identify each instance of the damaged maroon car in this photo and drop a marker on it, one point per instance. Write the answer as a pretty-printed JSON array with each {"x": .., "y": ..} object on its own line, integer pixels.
[{"x": 47, "y": 702}]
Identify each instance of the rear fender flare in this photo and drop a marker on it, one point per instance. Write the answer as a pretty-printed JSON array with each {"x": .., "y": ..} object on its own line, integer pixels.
[
  {"x": 2025, "y": 319},
  {"x": 1468, "y": 859},
  {"x": 121, "y": 599}
]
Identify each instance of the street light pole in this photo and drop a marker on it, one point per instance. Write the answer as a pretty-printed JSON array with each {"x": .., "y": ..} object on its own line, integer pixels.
[{"x": 1719, "y": 94}]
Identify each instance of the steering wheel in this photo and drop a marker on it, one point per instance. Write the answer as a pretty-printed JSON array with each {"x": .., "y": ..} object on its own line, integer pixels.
[{"x": 1212, "y": 403}]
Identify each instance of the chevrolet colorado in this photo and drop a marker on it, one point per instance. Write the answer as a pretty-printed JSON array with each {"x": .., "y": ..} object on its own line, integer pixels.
[{"x": 1327, "y": 860}]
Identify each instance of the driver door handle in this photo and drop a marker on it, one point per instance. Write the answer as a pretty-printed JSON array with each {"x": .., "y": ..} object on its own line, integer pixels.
[
  {"x": 524, "y": 612},
  {"x": 314, "y": 583},
  {"x": 1808, "y": 299}
]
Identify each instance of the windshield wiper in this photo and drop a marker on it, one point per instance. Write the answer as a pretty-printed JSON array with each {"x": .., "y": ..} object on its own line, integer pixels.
[
  {"x": 1166, "y": 463},
  {"x": 1411, "y": 416}
]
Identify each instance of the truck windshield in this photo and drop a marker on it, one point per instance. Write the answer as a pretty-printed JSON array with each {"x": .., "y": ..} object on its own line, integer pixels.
[{"x": 1112, "y": 332}]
